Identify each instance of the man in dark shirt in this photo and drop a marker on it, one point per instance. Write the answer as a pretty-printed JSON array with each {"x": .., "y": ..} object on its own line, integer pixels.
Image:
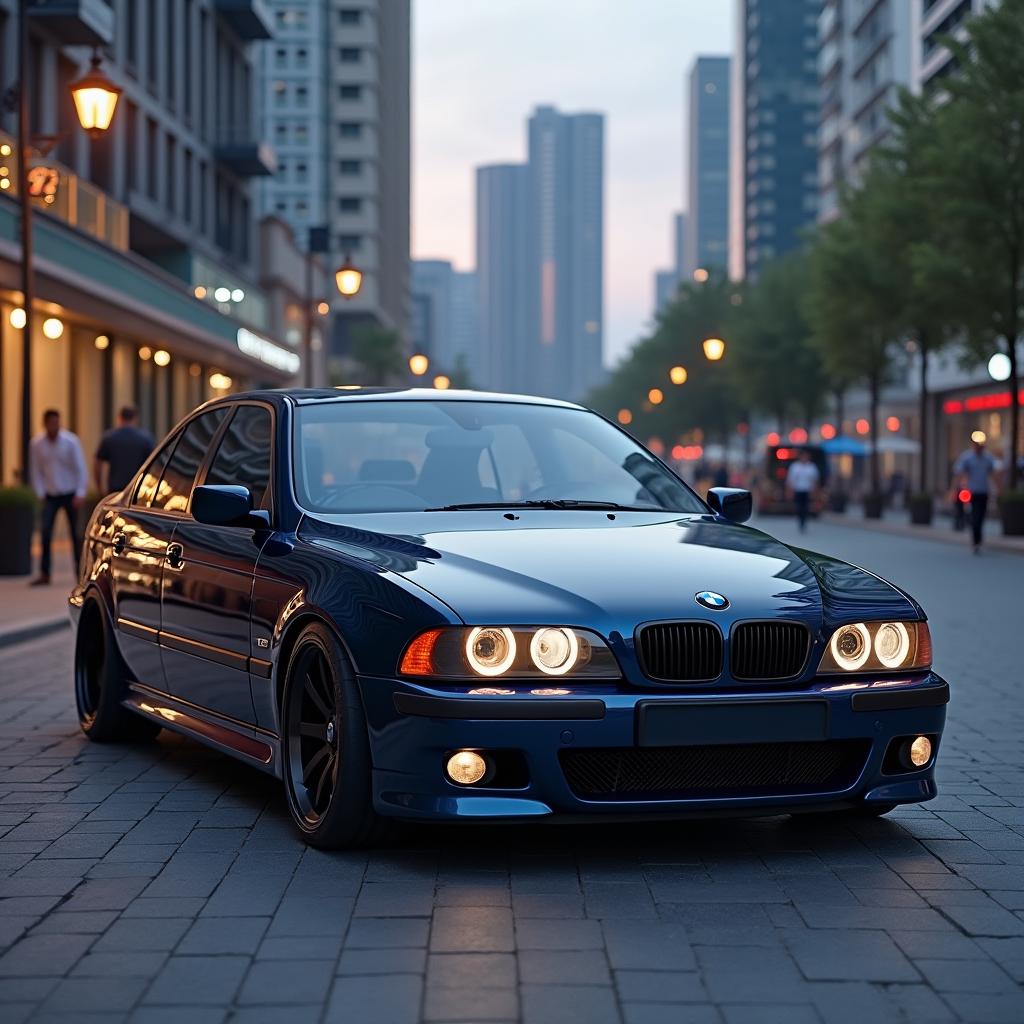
[{"x": 123, "y": 449}]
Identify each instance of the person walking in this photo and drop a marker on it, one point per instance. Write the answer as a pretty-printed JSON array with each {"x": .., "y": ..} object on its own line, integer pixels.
[
  {"x": 975, "y": 472},
  {"x": 59, "y": 478},
  {"x": 802, "y": 481},
  {"x": 122, "y": 450}
]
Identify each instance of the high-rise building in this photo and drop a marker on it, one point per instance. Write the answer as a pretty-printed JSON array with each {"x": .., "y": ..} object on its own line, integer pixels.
[
  {"x": 665, "y": 285},
  {"x": 707, "y": 235},
  {"x": 938, "y": 18},
  {"x": 445, "y": 317},
  {"x": 504, "y": 278},
  {"x": 336, "y": 100},
  {"x": 465, "y": 351},
  {"x": 773, "y": 125},
  {"x": 148, "y": 273},
  {"x": 865, "y": 54},
  {"x": 667, "y": 281},
  {"x": 566, "y": 161}
]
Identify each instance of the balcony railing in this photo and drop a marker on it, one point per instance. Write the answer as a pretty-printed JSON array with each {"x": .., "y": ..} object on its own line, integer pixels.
[{"x": 63, "y": 194}]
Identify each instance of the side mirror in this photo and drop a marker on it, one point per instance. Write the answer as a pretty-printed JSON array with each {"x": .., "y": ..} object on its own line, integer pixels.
[
  {"x": 227, "y": 505},
  {"x": 731, "y": 503}
]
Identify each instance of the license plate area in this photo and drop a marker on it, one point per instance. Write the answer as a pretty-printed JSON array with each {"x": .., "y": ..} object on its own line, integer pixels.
[{"x": 710, "y": 723}]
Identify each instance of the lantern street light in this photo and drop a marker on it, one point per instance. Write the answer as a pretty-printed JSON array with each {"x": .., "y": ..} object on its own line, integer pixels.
[
  {"x": 95, "y": 98},
  {"x": 655, "y": 396},
  {"x": 714, "y": 349},
  {"x": 678, "y": 375},
  {"x": 418, "y": 364},
  {"x": 349, "y": 278},
  {"x": 442, "y": 383}
]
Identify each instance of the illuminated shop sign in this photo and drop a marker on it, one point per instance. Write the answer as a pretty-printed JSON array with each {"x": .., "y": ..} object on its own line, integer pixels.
[
  {"x": 267, "y": 352},
  {"x": 980, "y": 403}
]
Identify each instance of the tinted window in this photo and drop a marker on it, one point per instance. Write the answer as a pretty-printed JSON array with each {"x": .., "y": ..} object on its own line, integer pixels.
[
  {"x": 150, "y": 479},
  {"x": 180, "y": 474},
  {"x": 377, "y": 456},
  {"x": 243, "y": 456}
]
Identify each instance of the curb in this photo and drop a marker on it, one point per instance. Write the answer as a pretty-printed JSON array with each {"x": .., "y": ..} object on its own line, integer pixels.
[
  {"x": 996, "y": 543},
  {"x": 32, "y": 630}
]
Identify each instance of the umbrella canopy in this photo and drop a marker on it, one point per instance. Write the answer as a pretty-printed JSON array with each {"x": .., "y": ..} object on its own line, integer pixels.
[{"x": 844, "y": 446}]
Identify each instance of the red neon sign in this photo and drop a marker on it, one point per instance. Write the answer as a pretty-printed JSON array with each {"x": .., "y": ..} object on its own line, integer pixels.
[{"x": 980, "y": 403}]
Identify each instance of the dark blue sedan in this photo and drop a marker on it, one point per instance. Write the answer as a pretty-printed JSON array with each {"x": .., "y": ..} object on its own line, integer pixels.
[{"x": 455, "y": 606}]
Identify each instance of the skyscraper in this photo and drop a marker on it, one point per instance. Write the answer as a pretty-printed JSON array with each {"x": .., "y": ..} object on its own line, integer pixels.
[
  {"x": 865, "y": 53},
  {"x": 666, "y": 282},
  {"x": 774, "y": 131},
  {"x": 336, "y": 103},
  {"x": 707, "y": 237},
  {"x": 445, "y": 317},
  {"x": 566, "y": 168},
  {"x": 504, "y": 278},
  {"x": 940, "y": 18}
]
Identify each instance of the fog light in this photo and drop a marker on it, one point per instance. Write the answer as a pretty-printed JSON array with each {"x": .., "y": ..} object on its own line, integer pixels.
[
  {"x": 920, "y": 751},
  {"x": 466, "y": 767}
]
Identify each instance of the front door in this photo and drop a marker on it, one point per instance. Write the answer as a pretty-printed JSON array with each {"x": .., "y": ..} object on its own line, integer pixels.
[{"x": 208, "y": 580}]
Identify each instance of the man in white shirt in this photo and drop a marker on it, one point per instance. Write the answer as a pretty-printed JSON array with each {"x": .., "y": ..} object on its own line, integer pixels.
[
  {"x": 59, "y": 478},
  {"x": 801, "y": 482}
]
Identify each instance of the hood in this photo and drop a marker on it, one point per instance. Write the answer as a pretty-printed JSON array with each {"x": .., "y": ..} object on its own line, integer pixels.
[{"x": 587, "y": 568}]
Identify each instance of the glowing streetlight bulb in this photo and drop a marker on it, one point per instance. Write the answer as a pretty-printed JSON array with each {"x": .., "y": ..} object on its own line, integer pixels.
[
  {"x": 655, "y": 396},
  {"x": 53, "y": 328},
  {"x": 714, "y": 349},
  {"x": 442, "y": 383},
  {"x": 678, "y": 375},
  {"x": 418, "y": 364}
]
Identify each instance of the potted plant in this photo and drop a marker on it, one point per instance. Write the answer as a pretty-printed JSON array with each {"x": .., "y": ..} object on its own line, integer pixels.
[
  {"x": 873, "y": 505},
  {"x": 1011, "y": 511},
  {"x": 17, "y": 524},
  {"x": 922, "y": 508}
]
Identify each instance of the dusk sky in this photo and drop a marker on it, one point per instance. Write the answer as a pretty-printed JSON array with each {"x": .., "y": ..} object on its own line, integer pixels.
[{"x": 479, "y": 69}]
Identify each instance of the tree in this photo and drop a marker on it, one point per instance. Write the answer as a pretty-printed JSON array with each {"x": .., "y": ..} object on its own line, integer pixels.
[
  {"x": 976, "y": 164},
  {"x": 377, "y": 352}
]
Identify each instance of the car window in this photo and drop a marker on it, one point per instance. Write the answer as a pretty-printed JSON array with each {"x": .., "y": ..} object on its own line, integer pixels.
[
  {"x": 243, "y": 455},
  {"x": 388, "y": 456},
  {"x": 145, "y": 492},
  {"x": 179, "y": 475}
]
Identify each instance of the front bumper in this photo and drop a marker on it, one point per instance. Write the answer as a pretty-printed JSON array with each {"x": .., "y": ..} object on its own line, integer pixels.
[{"x": 413, "y": 729}]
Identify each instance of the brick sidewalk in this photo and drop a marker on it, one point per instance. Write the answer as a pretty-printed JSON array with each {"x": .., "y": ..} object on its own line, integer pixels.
[{"x": 27, "y": 611}]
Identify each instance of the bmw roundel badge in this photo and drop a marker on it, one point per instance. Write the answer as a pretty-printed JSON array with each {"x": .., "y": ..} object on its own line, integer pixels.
[{"x": 709, "y": 599}]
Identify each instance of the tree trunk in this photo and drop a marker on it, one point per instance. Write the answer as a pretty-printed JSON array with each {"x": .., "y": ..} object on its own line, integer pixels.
[
  {"x": 874, "y": 386},
  {"x": 840, "y": 409},
  {"x": 922, "y": 343},
  {"x": 1014, "y": 384}
]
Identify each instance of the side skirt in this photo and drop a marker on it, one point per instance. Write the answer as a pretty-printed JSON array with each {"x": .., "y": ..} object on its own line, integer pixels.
[{"x": 254, "y": 746}]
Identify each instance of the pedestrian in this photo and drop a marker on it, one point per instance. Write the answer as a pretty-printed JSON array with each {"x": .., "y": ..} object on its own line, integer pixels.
[
  {"x": 801, "y": 482},
  {"x": 122, "y": 450},
  {"x": 975, "y": 472},
  {"x": 59, "y": 478}
]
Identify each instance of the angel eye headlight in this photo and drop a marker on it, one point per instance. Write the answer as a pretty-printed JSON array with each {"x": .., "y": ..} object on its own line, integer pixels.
[
  {"x": 851, "y": 646},
  {"x": 490, "y": 650},
  {"x": 554, "y": 651},
  {"x": 892, "y": 644}
]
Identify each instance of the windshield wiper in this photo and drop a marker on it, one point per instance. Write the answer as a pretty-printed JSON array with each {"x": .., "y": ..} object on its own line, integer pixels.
[{"x": 563, "y": 504}]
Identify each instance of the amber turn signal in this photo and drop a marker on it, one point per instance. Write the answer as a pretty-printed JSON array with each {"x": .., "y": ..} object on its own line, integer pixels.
[{"x": 418, "y": 659}]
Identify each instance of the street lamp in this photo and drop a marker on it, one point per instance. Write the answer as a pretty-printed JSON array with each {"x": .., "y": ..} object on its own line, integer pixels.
[
  {"x": 442, "y": 383},
  {"x": 349, "y": 278},
  {"x": 95, "y": 98},
  {"x": 655, "y": 396},
  {"x": 678, "y": 375},
  {"x": 714, "y": 349},
  {"x": 418, "y": 364}
]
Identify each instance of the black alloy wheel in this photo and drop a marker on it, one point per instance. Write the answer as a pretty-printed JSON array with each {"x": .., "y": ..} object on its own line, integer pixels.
[{"x": 325, "y": 747}]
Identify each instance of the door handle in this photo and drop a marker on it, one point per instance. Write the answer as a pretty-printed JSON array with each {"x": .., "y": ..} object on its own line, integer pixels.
[
  {"x": 120, "y": 543},
  {"x": 175, "y": 556}
]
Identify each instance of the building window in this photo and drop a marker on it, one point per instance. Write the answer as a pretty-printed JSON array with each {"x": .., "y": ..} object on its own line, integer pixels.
[
  {"x": 172, "y": 175},
  {"x": 152, "y": 166},
  {"x": 350, "y": 129},
  {"x": 282, "y": 170},
  {"x": 349, "y": 16},
  {"x": 349, "y": 54},
  {"x": 132, "y": 144},
  {"x": 350, "y": 92},
  {"x": 280, "y": 57},
  {"x": 281, "y": 132},
  {"x": 350, "y": 204},
  {"x": 301, "y": 57},
  {"x": 301, "y": 173},
  {"x": 348, "y": 243},
  {"x": 188, "y": 187},
  {"x": 280, "y": 94},
  {"x": 301, "y": 132},
  {"x": 350, "y": 167},
  {"x": 301, "y": 95}
]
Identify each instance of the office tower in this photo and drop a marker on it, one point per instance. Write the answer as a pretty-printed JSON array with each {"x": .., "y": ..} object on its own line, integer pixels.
[
  {"x": 932, "y": 61},
  {"x": 708, "y": 166},
  {"x": 774, "y": 117}
]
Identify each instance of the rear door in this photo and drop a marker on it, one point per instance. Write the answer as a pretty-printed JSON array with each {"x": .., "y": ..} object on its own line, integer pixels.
[{"x": 208, "y": 578}]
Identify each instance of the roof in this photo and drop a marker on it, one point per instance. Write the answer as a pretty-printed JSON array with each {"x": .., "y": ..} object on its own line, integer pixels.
[{"x": 309, "y": 396}]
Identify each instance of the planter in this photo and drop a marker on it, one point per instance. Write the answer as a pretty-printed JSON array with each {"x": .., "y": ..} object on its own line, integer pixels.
[
  {"x": 922, "y": 509},
  {"x": 17, "y": 524},
  {"x": 1011, "y": 511},
  {"x": 837, "y": 501},
  {"x": 873, "y": 505}
]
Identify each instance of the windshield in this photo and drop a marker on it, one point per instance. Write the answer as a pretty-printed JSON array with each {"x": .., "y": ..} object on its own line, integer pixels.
[{"x": 393, "y": 456}]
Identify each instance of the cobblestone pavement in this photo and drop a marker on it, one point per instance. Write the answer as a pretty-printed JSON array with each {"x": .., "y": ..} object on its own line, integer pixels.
[{"x": 163, "y": 882}]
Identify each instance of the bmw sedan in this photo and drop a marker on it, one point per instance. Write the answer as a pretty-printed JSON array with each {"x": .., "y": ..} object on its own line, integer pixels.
[{"x": 461, "y": 606}]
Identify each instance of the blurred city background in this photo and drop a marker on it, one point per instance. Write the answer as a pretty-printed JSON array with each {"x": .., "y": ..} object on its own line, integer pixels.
[{"x": 738, "y": 231}]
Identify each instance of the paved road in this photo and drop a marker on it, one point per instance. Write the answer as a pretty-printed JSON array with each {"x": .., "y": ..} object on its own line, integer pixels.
[{"x": 163, "y": 883}]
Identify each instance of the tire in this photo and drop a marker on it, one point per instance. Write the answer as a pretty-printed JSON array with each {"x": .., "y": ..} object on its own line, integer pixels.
[
  {"x": 101, "y": 683},
  {"x": 325, "y": 747}
]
